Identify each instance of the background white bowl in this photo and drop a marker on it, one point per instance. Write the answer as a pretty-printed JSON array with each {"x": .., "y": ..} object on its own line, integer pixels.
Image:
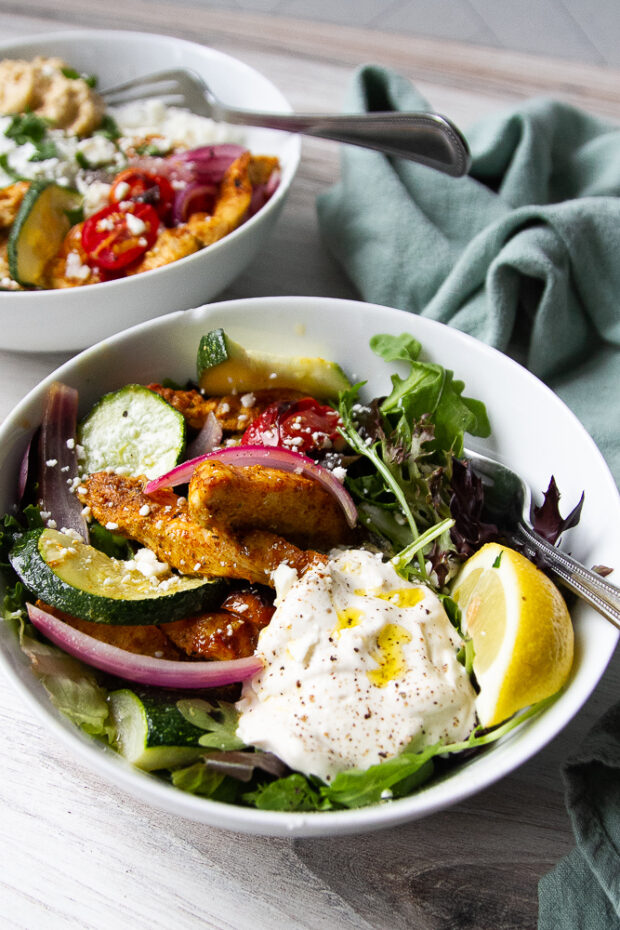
[
  {"x": 532, "y": 429},
  {"x": 72, "y": 318}
]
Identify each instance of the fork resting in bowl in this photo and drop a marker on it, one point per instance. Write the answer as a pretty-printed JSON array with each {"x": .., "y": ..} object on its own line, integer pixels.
[{"x": 427, "y": 138}]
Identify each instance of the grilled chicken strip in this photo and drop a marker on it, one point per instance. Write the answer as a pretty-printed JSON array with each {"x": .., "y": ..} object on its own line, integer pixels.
[
  {"x": 254, "y": 496},
  {"x": 162, "y": 522},
  {"x": 230, "y": 633},
  {"x": 234, "y": 412}
]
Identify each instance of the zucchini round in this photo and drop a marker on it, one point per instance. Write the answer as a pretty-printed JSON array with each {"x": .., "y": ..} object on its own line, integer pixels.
[
  {"x": 37, "y": 233},
  {"x": 86, "y": 583},
  {"x": 134, "y": 431}
]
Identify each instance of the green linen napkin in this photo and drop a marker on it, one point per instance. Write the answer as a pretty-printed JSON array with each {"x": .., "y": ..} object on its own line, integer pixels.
[
  {"x": 524, "y": 253},
  {"x": 583, "y": 891}
]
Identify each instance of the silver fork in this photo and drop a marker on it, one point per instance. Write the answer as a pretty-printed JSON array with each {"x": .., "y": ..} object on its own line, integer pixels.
[
  {"x": 427, "y": 138},
  {"x": 508, "y": 502}
]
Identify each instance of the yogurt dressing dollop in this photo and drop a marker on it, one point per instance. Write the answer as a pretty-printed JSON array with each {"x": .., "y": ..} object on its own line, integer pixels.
[{"x": 358, "y": 664}]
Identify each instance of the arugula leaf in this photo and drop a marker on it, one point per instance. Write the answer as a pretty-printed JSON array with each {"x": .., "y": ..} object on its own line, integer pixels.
[
  {"x": 220, "y": 721},
  {"x": 430, "y": 390},
  {"x": 407, "y": 443}
]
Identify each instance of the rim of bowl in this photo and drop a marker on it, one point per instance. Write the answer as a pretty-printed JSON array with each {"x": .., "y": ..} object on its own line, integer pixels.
[{"x": 532, "y": 736}]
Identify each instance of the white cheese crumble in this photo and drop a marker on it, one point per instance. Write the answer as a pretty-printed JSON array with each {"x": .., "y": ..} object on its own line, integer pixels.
[{"x": 75, "y": 270}]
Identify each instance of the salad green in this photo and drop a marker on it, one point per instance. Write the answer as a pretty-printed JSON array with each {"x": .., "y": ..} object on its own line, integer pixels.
[{"x": 400, "y": 453}]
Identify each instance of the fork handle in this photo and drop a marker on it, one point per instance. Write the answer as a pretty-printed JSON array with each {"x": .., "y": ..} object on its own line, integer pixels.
[
  {"x": 426, "y": 138},
  {"x": 597, "y": 591}
]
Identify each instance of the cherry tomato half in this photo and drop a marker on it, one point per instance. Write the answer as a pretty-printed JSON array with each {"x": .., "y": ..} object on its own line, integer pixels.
[
  {"x": 143, "y": 187},
  {"x": 116, "y": 236},
  {"x": 301, "y": 425}
]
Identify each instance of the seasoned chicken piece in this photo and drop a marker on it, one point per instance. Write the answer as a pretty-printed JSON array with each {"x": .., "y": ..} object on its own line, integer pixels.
[
  {"x": 261, "y": 168},
  {"x": 10, "y": 201},
  {"x": 292, "y": 505},
  {"x": 161, "y": 521},
  {"x": 231, "y": 206},
  {"x": 232, "y": 411},
  {"x": 143, "y": 640},
  {"x": 230, "y": 633},
  {"x": 70, "y": 268},
  {"x": 170, "y": 245}
]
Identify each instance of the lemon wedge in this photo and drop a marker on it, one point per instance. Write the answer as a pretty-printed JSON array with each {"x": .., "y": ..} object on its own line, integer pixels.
[{"x": 521, "y": 631}]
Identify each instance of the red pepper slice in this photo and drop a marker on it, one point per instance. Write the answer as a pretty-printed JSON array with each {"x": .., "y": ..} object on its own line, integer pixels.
[
  {"x": 302, "y": 425},
  {"x": 116, "y": 236},
  {"x": 143, "y": 187}
]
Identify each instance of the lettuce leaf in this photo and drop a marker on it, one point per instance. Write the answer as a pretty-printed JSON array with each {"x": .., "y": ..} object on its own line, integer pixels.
[{"x": 72, "y": 686}]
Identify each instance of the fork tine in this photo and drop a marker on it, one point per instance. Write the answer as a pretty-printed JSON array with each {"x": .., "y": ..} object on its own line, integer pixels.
[
  {"x": 171, "y": 99},
  {"x": 143, "y": 81}
]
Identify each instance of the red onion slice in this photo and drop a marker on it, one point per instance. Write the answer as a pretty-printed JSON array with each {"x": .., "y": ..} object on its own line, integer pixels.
[
  {"x": 145, "y": 670},
  {"x": 192, "y": 198},
  {"x": 24, "y": 471},
  {"x": 263, "y": 192},
  {"x": 58, "y": 460},
  {"x": 270, "y": 457},
  {"x": 209, "y": 163},
  {"x": 208, "y": 438}
]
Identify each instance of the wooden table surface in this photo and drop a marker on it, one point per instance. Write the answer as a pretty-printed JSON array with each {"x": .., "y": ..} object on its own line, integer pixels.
[{"x": 76, "y": 853}]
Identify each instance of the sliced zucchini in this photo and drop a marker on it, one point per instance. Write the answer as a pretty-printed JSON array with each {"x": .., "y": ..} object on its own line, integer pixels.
[
  {"x": 224, "y": 366},
  {"x": 150, "y": 732},
  {"x": 86, "y": 583},
  {"x": 133, "y": 431},
  {"x": 38, "y": 231}
]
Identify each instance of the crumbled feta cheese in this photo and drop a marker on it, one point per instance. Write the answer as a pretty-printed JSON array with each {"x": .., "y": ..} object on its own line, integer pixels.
[
  {"x": 135, "y": 225},
  {"x": 75, "y": 270}
]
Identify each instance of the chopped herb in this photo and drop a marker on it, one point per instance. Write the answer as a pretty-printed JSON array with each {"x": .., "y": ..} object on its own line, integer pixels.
[
  {"x": 149, "y": 148},
  {"x": 498, "y": 560},
  {"x": 4, "y": 164},
  {"x": 45, "y": 149},
  {"x": 74, "y": 75},
  {"x": 108, "y": 128},
  {"x": 82, "y": 161},
  {"x": 27, "y": 127}
]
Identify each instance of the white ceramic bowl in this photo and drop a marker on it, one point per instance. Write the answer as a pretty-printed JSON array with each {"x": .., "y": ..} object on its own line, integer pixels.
[
  {"x": 532, "y": 430},
  {"x": 73, "y": 318}
]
